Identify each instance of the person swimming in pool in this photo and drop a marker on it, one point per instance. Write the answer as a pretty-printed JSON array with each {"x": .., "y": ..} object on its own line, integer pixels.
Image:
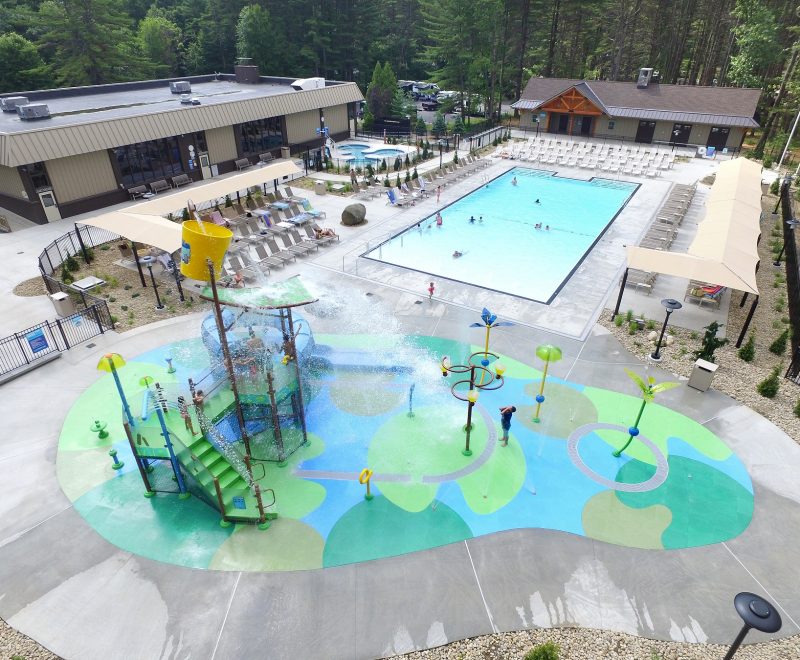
[
  {"x": 472, "y": 219},
  {"x": 537, "y": 201},
  {"x": 514, "y": 181},
  {"x": 457, "y": 254}
]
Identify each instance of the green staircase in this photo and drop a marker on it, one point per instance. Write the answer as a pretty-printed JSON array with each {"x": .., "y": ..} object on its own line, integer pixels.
[{"x": 204, "y": 463}]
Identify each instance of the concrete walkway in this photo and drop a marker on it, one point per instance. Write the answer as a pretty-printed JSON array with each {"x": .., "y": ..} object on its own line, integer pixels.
[{"x": 82, "y": 597}]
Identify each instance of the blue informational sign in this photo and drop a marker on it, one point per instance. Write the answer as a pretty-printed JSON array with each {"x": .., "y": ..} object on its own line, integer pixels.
[
  {"x": 710, "y": 152},
  {"x": 238, "y": 503},
  {"x": 37, "y": 341}
]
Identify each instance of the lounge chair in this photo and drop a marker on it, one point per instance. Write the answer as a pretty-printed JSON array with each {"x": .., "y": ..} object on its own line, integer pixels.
[
  {"x": 264, "y": 258},
  {"x": 317, "y": 228},
  {"x": 278, "y": 253},
  {"x": 237, "y": 266},
  {"x": 290, "y": 194},
  {"x": 308, "y": 241},
  {"x": 322, "y": 240},
  {"x": 296, "y": 249},
  {"x": 702, "y": 293},
  {"x": 395, "y": 199}
]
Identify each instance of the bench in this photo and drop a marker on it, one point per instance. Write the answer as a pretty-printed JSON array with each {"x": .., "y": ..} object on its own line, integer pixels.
[
  {"x": 159, "y": 186},
  {"x": 138, "y": 191},
  {"x": 180, "y": 180},
  {"x": 265, "y": 158},
  {"x": 242, "y": 163}
]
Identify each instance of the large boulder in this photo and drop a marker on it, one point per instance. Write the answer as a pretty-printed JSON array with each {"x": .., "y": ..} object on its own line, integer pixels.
[{"x": 354, "y": 215}]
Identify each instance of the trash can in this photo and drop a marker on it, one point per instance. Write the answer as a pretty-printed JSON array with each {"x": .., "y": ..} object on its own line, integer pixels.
[
  {"x": 319, "y": 187},
  {"x": 285, "y": 153},
  {"x": 702, "y": 375},
  {"x": 62, "y": 303}
]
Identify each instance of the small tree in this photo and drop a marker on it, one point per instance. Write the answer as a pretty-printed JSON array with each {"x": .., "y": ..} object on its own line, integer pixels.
[
  {"x": 66, "y": 276},
  {"x": 414, "y": 174},
  {"x": 407, "y": 162},
  {"x": 439, "y": 127},
  {"x": 421, "y": 128},
  {"x": 778, "y": 347},
  {"x": 185, "y": 214},
  {"x": 455, "y": 158},
  {"x": 769, "y": 386},
  {"x": 72, "y": 263},
  {"x": 710, "y": 343},
  {"x": 774, "y": 188},
  {"x": 228, "y": 202},
  {"x": 370, "y": 170},
  {"x": 408, "y": 176},
  {"x": 397, "y": 164},
  {"x": 748, "y": 351},
  {"x": 369, "y": 120},
  {"x": 458, "y": 126},
  {"x": 398, "y": 180}
]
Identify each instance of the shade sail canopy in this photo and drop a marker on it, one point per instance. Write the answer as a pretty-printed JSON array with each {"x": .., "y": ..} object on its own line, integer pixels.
[
  {"x": 725, "y": 249},
  {"x": 216, "y": 189},
  {"x": 149, "y": 229}
]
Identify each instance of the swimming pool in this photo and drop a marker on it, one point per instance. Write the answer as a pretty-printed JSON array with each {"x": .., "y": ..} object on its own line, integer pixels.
[
  {"x": 355, "y": 154},
  {"x": 502, "y": 250}
]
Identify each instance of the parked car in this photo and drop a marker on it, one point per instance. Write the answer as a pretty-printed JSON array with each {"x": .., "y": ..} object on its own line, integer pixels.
[
  {"x": 186, "y": 99},
  {"x": 429, "y": 103}
]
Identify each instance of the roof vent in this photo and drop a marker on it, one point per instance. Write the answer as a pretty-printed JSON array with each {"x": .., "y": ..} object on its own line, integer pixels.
[
  {"x": 180, "y": 87},
  {"x": 308, "y": 83},
  {"x": 32, "y": 111},
  {"x": 10, "y": 103},
  {"x": 644, "y": 78}
]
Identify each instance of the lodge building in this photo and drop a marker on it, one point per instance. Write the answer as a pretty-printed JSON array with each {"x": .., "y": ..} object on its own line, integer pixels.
[
  {"x": 92, "y": 145},
  {"x": 643, "y": 111}
]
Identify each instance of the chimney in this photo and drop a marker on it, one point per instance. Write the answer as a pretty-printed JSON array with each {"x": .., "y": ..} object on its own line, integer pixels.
[
  {"x": 246, "y": 72},
  {"x": 644, "y": 78}
]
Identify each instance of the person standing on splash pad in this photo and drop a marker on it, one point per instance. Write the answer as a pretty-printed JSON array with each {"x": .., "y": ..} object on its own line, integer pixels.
[
  {"x": 505, "y": 421},
  {"x": 431, "y": 289}
]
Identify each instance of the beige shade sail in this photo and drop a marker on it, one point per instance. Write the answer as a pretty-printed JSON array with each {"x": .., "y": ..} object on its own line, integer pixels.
[
  {"x": 216, "y": 189},
  {"x": 725, "y": 249},
  {"x": 148, "y": 229}
]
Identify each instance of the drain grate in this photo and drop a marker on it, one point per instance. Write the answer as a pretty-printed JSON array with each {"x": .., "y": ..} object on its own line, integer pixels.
[{"x": 90, "y": 345}]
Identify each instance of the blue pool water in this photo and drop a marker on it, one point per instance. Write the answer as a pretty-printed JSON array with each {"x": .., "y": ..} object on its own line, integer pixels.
[
  {"x": 355, "y": 154},
  {"x": 504, "y": 251}
]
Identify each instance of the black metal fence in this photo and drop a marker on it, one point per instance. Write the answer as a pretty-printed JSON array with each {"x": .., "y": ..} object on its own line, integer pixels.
[
  {"x": 77, "y": 244},
  {"x": 29, "y": 346},
  {"x": 792, "y": 261}
]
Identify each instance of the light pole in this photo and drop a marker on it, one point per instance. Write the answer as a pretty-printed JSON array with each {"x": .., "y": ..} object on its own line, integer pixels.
[
  {"x": 670, "y": 305},
  {"x": 495, "y": 382},
  {"x": 441, "y": 146},
  {"x": 792, "y": 224},
  {"x": 148, "y": 261},
  {"x": 756, "y": 613}
]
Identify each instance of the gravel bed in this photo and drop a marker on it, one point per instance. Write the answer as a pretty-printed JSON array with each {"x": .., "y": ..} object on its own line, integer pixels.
[
  {"x": 132, "y": 305},
  {"x": 735, "y": 377},
  {"x": 16, "y": 646},
  {"x": 587, "y": 644}
]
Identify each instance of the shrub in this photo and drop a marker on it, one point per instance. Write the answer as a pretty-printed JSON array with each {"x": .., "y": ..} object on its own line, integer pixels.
[
  {"x": 650, "y": 324},
  {"x": 66, "y": 276},
  {"x": 87, "y": 255},
  {"x": 124, "y": 308},
  {"x": 408, "y": 176},
  {"x": 134, "y": 295},
  {"x": 619, "y": 320},
  {"x": 778, "y": 347},
  {"x": 407, "y": 162},
  {"x": 767, "y": 163},
  {"x": 629, "y": 315},
  {"x": 633, "y": 326},
  {"x": 398, "y": 180},
  {"x": 414, "y": 174},
  {"x": 748, "y": 351},
  {"x": 386, "y": 182},
  {"x": 547, "y": 651},
  {"x": 797, "y": 408},
  {"x": 455, "y": 158},
  {"x": 72, "y": 264},
  {"x": 112, "y": 299},
  {"x": 769, "y": 386},
  {"x": 114, "y": 319},
  {"x": 710, "y": 343},
  {"x": 774, "y": 189}
]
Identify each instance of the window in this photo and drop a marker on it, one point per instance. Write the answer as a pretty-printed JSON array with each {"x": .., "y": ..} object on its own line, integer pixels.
[
  {"x": 38, "y": 175},
  {"x": 149, "y": 161},
  {"x": 260, "y": 135},
  {"x": 611, "y": 125}
]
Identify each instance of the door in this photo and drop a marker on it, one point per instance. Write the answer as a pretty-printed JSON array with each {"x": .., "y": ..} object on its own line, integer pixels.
[
  {"x": 586, "y": 126},
  {"x": 49, "y": 204},
  {"x": 205, "y": 166},
  {"x": 680, "y": 133},
  {"x": 718, "y": 137},
  {"x": 645, "y": 131}
]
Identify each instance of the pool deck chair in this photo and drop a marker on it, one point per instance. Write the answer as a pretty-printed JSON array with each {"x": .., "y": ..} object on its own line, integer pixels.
[
  {"x": 264, "y": 258},
  {"x": 316, "y": 227},
  {"x": 275, "y": 251},
  {"x": 296, "y": 249}
]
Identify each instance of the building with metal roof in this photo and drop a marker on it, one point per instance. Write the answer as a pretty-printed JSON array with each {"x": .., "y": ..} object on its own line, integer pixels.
[
  {"x": 92, "y": 147},
  {"x": 642, "y": 111}
]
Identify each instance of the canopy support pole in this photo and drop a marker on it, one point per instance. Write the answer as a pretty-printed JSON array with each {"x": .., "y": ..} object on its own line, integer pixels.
[
  {"x": 747, "y": 322},
  {"x": 621, "y": 290},
  {"x": 138, "y": 265},
  {"x": 743, "y": 300}
]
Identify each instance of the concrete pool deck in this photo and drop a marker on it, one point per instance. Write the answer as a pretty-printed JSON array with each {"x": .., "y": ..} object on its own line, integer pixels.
[{"x": 82, "y": 597}]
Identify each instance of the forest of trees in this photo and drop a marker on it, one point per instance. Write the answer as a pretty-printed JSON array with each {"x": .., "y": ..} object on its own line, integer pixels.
[{"x": 485, "y": 47}]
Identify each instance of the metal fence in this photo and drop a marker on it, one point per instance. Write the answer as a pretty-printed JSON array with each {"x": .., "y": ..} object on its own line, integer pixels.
[
  {"x": 77, "y": 244},
  {"x": 29, "y": 346},
  {"x": 792, "y": 261}
]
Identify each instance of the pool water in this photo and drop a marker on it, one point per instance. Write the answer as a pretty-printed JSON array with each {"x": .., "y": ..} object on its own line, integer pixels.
[
  {"x": 502, "y": 250},
  {"x": 355, "y": 154}
]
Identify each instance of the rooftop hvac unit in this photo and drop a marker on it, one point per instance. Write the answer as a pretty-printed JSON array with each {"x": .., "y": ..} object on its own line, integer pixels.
[
  {"x": 33, "y": 111},
  {"x": 308, "y": 83},
  {"x": 644, "y": 78},
  {"x": 10, "y": 103},
  {"x": 180, "y": 87}
]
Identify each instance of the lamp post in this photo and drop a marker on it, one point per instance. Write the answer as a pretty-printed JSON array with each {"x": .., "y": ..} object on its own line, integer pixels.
[
  {"x": 670, "y": 305},
  {"x": 792, "y": 224},
  {"x": 148, "y": 261},
  {"x": 756, "y": 613},
  {"x": 441, "y": 146},
  {"x": 495, "y": 382}
]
